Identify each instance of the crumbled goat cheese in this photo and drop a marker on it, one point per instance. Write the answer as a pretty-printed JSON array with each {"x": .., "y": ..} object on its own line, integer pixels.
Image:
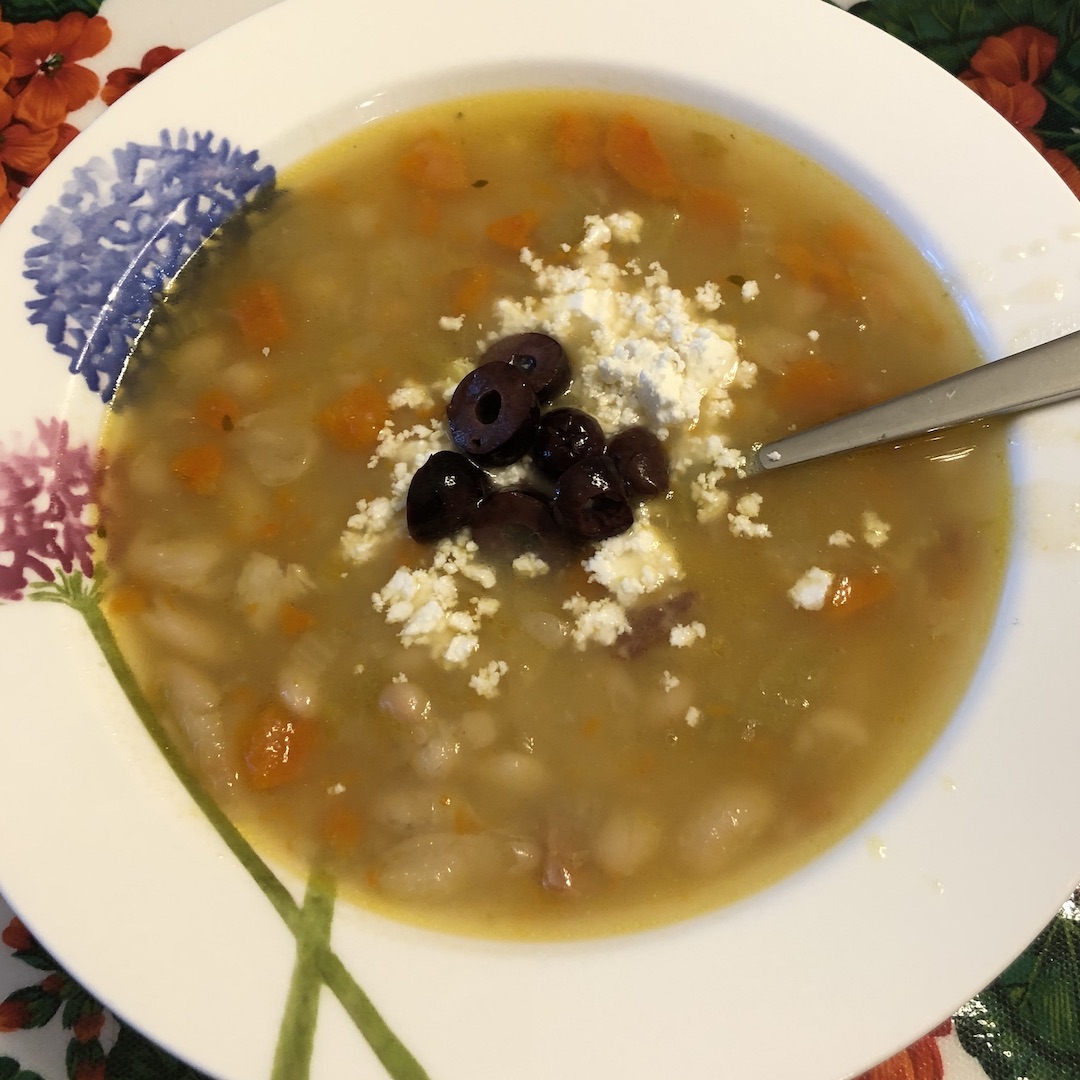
[
  {"x": 705, "y": 490},
  {"x": 264, "y": 586},
  {"x": 646, "y": 352},
  {"x": 685, "y": 634},
  {"x": 530, "y": 565},
  {"x": 601, "y": 621},
  {"x": 812, "y": 589},
  {"x": 358, "y": 670},
  {"x": 400, "y": 678},
  {"x": 750, "y": 290},
  {"x": 841, "y": 539},
  {"x": 410, "y": 396},
  {"x": 486, "y": 681},
  {"x": 451, "y": 322},
  {"x": 875, "y": 531},
  {"x": 368, "y": 528},
  {"x": 514, "y": 475},
  {"x": 813, "y": 335},
  {"x": 707, "y": 296},
  {"x": 638, "y": 561},
  {"x": 693, "y": 716},
  {"x": 669, "y": 681},
  {"x": 742, "y": 522},
  {"x": 427, "y": 604}
]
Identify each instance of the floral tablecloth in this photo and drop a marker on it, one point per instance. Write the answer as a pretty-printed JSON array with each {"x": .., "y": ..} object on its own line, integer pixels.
[{"x": 62, "y": 62}]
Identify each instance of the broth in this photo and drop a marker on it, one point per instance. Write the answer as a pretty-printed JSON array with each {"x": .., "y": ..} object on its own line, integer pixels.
[{"x": 596, "y": 741}]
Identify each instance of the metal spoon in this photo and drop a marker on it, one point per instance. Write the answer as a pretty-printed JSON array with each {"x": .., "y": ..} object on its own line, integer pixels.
[{"x": 1026, "y": 380}]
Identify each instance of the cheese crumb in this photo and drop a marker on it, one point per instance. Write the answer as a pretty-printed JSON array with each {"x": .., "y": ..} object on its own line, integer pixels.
[
  {"x": 708, "y": 297},
  {"x": 875, "y": 531},
  {"x": 411, "y": 395},
  {"x": 451, "y": 322},
  {"x": 693, "y": 716},
  {"x": 530, "y": 565},
  {"x": 486, "y": 681},
  {"x": 685, "y": 634},
  {"x": 600, "y": 621},
  {"x": 742, "y": 522},
  {"x": 750, "y": 290},
  {"x": 841, "y": 539},
  {"x": 400, "y": 678},
  {"x": 812, "y": 589},
  {"x": 634, "y": 563},
  {"x": 358, "y": 670},
  {"x": 813, "y": 335},
  {"x": 669, "y": 681}
]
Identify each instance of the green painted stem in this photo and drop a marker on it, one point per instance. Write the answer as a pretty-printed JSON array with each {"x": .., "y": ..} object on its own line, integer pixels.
[
  {"x": 310, "y": 926},
  {"x": 296, "y": 1038}
]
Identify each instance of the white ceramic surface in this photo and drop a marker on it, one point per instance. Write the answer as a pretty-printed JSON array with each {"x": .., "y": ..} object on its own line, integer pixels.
[{"x": 821, "y": 975}]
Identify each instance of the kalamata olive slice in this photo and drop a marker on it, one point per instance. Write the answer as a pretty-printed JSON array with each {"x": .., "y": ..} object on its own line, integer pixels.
[
  {"x": 540, "y": 358},
  {"x": 564, "y": 436},
  {"x": 590, "y": 500},
  {"x": 493, "y": 414},
  {"x": 641, "y": 460},
  {"x": 511, "y": 522},
  {"x": 444, "y": 495}
]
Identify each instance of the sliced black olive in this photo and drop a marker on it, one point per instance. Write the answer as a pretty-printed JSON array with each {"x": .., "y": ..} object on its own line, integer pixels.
[
  {"x": 444, "y": 495},
  {"x": 590, "y": 500},
  {"x": 493, "y": 414},
  {"x": 641, "y": 460},
  {"x": 564, "y": 436},
  {"x": 540, "y": 358},
  {"x": 511, "y": 522}
]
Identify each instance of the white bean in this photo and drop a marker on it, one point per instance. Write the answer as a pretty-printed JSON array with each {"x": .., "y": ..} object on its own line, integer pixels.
[
  {"x": 413, "y": 809},
  {"x": 436, "y": 757},
  {"x": 187, "y": 564},
  {"x": 831, "y": 727},
  {"x": 410, "y": 707},
  {"x": 478, "y": 729},
  {"x": 724, "y": 824},
  {"x": 517, "y": 772},
  {"x": 546, "y": 629},
  {"x": 279, "y": 444},
  {"x": 441, "y": 864},
  {"x": 626, "y": 841},
  {"x": 299, "y": 682},
  {"x": 184, "y": 631}
]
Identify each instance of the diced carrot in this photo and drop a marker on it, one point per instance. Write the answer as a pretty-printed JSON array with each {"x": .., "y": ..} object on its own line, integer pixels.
[
  {"x": 434, "y": 163},
  {"x": 711, "y": 206},
  {"x": 513, "y": 232},
  {"x": 341, "y": 829},
  {"x": 217, "y": 410},
  {"x": 277, "y": 747},
  {"x": 858, "y": 592},
  {"x": 472, "y": 289},
  {"x": 812, "y": 390},
  {"x": 847, "y": 239},
  {"x": 577, "y": 141},
  {"x": 354, "y": 420},
  {"x": 427, "y": 214},
  {"x": 199, "y": 467},
  {"x": 294, "y": 620},
  {"x": 257, "y": 309},
  {"x": 818, "y": 270},
  {"x": 126, "y": 599},
  {"x": 465, "y": 820},
  {"x": 629, "y": 149}
]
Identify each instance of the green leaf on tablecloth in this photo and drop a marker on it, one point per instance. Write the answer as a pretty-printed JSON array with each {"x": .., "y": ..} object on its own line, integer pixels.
[
  {"x": 950, "y": 31},
  {"x": 10, "y": 1069},
  {"x": 84, "y": 1058},
  {"x": 34, "y": 1006},
  {"x": 134, "y": 1057},
  {"x": 19, "y": 11},
  {"x": 1027, "y": 1023},
  {"x": 78, "y": 1005},
  {"x": 35, "y": 956}
]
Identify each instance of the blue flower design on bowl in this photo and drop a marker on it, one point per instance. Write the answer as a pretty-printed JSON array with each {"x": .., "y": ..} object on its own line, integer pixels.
[{"x": 122, "y": 230}]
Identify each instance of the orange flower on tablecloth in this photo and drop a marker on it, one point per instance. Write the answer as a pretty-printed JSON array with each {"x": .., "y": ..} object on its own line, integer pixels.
[
  {"x": 22, "y": 148},
  {"x": 1023, "y": 54},
  {"x": 16, "y": 936},
  {"x": 6, "y": 63},
  {"x": 920, "y": 1061},
  {"x": 1005, "y": 68},
  {"x": 49, "y": 80},
  {"x": 121, "y": 80}
]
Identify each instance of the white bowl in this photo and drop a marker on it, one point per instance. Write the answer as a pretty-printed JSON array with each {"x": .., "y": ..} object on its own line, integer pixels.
[{"x": 128, "y": 882}]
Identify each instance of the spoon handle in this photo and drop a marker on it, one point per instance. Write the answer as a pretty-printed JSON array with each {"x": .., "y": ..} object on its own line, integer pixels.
[{"x": 1026, "y": 380}]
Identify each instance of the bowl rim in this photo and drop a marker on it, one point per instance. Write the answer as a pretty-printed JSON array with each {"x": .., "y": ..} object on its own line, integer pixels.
[{"x": 841, "y": 938}]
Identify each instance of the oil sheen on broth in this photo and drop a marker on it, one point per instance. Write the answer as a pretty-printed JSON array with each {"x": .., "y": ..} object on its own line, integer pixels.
[{"x": 652, "y": 725}]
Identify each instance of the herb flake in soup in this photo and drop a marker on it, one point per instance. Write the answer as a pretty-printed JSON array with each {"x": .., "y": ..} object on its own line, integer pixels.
[{"x": 507, "y": 727}]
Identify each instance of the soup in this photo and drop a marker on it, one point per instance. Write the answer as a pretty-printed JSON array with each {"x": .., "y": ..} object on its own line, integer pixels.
[{"x": 535, "y": 729}]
